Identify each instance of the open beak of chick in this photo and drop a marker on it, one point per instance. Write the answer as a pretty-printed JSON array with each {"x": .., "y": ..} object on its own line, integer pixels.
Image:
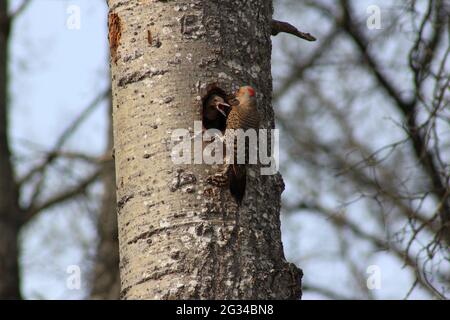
[{"x": 220, "y": 106}]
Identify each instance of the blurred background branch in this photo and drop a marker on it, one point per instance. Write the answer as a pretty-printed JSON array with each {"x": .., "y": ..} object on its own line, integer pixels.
[{"x": 364, "y": 122}]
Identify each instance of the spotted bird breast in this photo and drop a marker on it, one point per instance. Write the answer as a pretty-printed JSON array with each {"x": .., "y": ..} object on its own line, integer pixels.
[{"x": 243, "y": 119}]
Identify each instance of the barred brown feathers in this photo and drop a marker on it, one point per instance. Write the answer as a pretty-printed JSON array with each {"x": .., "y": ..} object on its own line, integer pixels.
[{"x": 242, "y": 116}]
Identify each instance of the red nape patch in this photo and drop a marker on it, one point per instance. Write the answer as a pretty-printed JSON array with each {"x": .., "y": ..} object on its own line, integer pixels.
[{"x": 251, "y": 91}]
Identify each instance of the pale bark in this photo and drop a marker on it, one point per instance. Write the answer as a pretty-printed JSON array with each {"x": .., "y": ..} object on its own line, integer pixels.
[{"x": 177, "y": 242}]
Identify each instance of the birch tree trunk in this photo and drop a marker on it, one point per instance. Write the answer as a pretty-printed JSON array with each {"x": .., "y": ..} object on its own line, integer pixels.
[{"x": 176, "y": 240}]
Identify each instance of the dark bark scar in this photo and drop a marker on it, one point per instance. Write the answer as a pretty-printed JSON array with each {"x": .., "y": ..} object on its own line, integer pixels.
[
  {"x": 149, "y": 37},
  {"x": 121, "y": 203},
  {"x": 115, "y": 32}
]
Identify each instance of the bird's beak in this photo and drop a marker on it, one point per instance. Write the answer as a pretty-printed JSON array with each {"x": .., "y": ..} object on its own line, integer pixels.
[{"x": 222, "y": 104}]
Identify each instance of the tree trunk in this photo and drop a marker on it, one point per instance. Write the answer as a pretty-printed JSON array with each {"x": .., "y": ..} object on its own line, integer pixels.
[
  {"x": 9, "y": 257},
  {"x": 176, "y": 240},
  {"x": 10, "y": 213},
  {"x": 106, "y": 280}
]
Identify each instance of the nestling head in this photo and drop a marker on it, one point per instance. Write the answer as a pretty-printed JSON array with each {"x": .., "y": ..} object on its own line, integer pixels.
[{"x": 216, "y": 104}]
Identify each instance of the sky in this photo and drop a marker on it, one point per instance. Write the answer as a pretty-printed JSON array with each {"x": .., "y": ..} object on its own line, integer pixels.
[{"x": 55, "y": 72}]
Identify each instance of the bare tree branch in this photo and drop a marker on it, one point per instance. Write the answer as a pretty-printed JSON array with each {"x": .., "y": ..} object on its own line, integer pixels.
[
  {"x": 52, "y": 155},
  {"x": 406, "y": 190},
  {"x": 326, "y": 292},
  {"x": 341, "y": 221},
  {"x": 408, "y": 108},
  {"x": 299, "y": 69},
  {"x": 62, "y": 196},
  {"x": 20, "y": 9},
  {"x": 280, "y": 26}
]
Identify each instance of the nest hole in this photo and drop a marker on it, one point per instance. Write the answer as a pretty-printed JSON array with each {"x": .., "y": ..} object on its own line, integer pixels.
[{"x": 211, "y": 117}]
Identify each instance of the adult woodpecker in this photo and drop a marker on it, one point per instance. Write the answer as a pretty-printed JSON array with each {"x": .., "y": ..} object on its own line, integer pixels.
[{"x": 243, "y": 115}]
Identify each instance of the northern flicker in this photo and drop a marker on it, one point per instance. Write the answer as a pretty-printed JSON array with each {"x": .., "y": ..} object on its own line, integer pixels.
[
  {"x": 243, "y": 115},
  {"x": 213, "y": 114}
]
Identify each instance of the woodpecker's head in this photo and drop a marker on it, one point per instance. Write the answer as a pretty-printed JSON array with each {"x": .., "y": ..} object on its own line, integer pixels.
[
  {"x": 246, "y": 92},
  {"x": 246, "y": 96}
]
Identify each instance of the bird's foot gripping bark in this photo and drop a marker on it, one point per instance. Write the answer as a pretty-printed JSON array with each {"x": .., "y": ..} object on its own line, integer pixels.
[
  {"x": 220, "y": 179},
  {"x": 232, "y": 177}
]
